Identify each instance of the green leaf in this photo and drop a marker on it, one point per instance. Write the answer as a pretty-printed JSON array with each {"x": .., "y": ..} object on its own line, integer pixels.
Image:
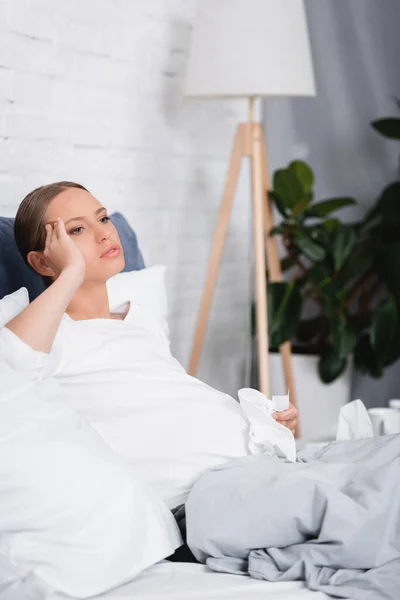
[
  {"x": 344, "y": 241},
  {"x": 321, "y": 236},
  {"x": 278, "y": 203},
  {"x": 286, "y": 263},
  {"x": 331, "y": 224},
  {"x": 383, "y": 328},
  {"x": 389, "y": 128},
  {"x": 301, "y": 206},
  {"x": 312, "y": 250},
  {"x": 387, "y": 207},
  {"x": 343, "y": 336},
  {"x": 308, "y": 329},
  {"x": 331, "y": 366},
  {"x": 358, "y": 263},
  {"x": 321, "y": 209},
  {"x": 278, "y": 230},
  {"x": 370, "y": 223},
  {"x": 365, "y": 358},
  {"x": 326, "y": 288},
  {"x": 288, "y": 188},
  {"x": 394, "y": 352},
  {"x": 303, "y": 173},
  {"x": 371, "y": 226},
  {"x": 284, "y": 305},
  {"x": 388, "y": 267},
  {"x": 320, "y": 275}
]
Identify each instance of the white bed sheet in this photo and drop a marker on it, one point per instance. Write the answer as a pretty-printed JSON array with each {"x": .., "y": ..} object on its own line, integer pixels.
[
  {"x": 190, "y": 581},
  {"x": 183, "y": 581}
]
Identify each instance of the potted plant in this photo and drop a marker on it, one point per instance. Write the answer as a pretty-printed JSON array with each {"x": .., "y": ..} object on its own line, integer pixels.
[{"x": 340, "y": 300}]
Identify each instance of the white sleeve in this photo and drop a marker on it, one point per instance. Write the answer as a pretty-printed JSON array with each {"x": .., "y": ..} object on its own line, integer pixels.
[{"x": 21, "y": 357}]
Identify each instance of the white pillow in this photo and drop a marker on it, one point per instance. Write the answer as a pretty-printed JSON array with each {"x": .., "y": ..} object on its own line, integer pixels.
[
  {"x": 12, "y": 305},
  {"x": 146, "y": 287},
  {"x": 73, "y": 515}
]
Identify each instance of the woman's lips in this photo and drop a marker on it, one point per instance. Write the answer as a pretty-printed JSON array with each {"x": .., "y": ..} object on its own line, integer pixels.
[{"x": 112, "y": 253}]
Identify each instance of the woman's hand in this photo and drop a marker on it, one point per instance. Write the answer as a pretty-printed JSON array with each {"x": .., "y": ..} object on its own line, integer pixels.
[
  {"x": 288, "y": 417},
  {"x": 61, "y": 253},
  {"x": 38, "y": 323}
]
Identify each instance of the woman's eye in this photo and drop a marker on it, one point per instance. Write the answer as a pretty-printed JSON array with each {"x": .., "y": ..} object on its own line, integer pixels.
[{"x": 76, "y": 230}]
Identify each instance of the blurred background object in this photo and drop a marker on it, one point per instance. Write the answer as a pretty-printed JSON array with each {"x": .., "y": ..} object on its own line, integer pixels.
[
  {"x": 355, "y": 47},
  {"x": 228, "y": 40}
]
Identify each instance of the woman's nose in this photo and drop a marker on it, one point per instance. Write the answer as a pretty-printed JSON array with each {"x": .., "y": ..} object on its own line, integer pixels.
[{"x": 103, "y": 235}]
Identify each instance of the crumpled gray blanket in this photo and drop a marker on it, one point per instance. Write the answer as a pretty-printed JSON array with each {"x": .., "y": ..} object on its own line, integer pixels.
[{"x": 331, "y": 519}]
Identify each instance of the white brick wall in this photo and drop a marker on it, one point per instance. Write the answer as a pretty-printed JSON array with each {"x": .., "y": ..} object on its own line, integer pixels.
[{"x": 91, "y": 90}]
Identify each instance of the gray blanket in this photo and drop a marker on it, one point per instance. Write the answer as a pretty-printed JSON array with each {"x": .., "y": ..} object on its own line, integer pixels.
[{"x": 332, "y": 518}]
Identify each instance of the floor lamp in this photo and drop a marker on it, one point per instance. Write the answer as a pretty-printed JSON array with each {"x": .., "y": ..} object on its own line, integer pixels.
[{"x": 249, "y": 49}]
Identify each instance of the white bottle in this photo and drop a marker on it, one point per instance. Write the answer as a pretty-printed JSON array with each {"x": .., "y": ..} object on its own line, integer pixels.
[{"x": 394, "y": 403}]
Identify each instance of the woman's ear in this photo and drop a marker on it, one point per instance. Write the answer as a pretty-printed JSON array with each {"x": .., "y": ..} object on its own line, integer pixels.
[{"x": 39, "y": 264}]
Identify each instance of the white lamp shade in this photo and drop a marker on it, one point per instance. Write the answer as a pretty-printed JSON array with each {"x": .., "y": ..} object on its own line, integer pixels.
[{"x": 250, "y": 48}]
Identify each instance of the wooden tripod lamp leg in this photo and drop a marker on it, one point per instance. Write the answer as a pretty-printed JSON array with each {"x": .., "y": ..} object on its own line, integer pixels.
[
  {"x": 275, "y": 274},
  {"x": 216, "y": 251},
  {"x": 259, "y": 255}
]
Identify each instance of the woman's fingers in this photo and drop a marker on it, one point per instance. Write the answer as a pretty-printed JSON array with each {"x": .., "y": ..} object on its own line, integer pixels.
[
  {"x": 285, "y": 415},
  {"x": 49, "y": 236},
  {"x": 61, "y": 226},
  {"x": 57, "y": 227},
  {"x": 49, "y": 233},
  {"x": 288, "y": 417}
]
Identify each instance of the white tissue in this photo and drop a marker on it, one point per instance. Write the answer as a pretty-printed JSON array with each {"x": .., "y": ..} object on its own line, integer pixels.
[
  {"x": 281, "y": 402},
  {"x": 354, "y": 422},
  {"x": 266, "y": 434}
]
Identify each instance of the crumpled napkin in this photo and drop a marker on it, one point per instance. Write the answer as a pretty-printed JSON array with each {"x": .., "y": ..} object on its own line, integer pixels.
[
  {"x": 267, "y": 436},
  {"x": 354, "y": 422}
]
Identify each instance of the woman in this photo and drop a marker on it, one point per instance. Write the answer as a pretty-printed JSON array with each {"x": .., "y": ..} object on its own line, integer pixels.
[{"x": 116, "y": 366}]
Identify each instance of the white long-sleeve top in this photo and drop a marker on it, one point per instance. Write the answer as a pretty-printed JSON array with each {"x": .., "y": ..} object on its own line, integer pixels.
[{"x": 121, "y": 376}]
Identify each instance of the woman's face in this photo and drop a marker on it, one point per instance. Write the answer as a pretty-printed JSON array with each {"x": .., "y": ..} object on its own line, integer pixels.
[{"x": 87, "y": 224}]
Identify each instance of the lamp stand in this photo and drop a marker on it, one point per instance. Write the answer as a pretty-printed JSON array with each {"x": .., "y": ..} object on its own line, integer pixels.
[{"x": 249, "y": 141}]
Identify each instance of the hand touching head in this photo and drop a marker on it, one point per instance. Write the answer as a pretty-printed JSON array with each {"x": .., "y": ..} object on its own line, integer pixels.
[{"x": 62, "y": 224}]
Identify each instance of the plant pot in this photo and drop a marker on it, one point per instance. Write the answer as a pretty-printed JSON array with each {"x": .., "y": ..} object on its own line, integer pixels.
[{"x": 318, "y": 403}]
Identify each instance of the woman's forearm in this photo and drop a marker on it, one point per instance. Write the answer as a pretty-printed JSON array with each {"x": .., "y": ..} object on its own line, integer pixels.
[{"x": 38, "y": 323}]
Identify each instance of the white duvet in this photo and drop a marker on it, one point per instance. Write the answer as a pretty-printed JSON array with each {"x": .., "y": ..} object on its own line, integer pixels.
[{"x": 74, "y": 517}]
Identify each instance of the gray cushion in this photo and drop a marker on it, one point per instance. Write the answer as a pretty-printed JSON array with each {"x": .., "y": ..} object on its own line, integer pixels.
[{"x": 14, "y": 273}]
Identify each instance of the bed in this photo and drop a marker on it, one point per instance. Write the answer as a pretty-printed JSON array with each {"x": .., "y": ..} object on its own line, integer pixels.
[
  {"x": 178, "y": 580},
  {"x": 188, "y": 581},
  {"x": 168, "y": 580},
  {"x": 185, "y": 581}
]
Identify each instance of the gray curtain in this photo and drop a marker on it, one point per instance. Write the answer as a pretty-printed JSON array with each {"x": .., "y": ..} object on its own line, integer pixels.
[{"x": 356, "y": 51}]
